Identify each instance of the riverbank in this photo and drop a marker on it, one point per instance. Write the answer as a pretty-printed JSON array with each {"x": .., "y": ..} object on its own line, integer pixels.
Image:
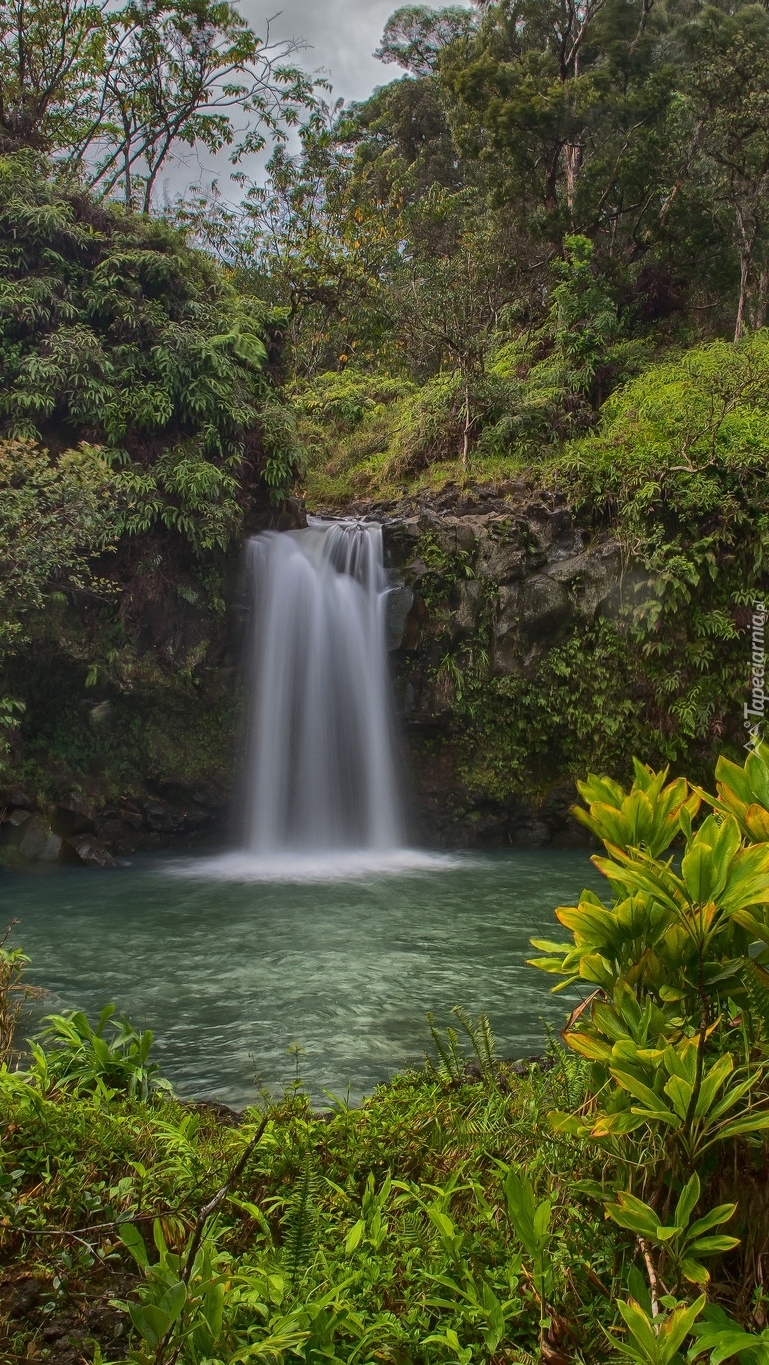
[{"x": 348, "y": 1230}]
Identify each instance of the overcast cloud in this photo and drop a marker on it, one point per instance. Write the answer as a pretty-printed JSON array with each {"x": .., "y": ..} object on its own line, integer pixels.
[{"x": 341, "y": 36}]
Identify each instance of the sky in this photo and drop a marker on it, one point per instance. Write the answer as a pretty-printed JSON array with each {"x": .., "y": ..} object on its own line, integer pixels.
[{"x": 341, "y": 36}]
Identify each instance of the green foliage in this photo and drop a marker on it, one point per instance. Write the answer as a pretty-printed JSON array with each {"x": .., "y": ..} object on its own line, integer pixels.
[
  {"x": 73, "y": 1054},
  {"x": 682, "y": 1240},
  {"x": 583, "y": 315},
  {"x": 113, "y": 92},
  {"x": 452, "y": 1063},
  {"x": 675, "y": 1038},
  {"x": 111, "y": 326},
  {"x": 14, "y": 994},
  {"x": 56, "y": 516},
  {"x": 137, "y": 425},
  {"x": 657, "y": 1343}
]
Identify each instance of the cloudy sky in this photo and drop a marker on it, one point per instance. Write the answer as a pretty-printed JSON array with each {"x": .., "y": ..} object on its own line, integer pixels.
[{"x": 341, "y": 36}]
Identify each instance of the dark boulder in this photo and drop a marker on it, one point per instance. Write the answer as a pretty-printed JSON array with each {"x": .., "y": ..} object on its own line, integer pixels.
[
  {"x": 38, "y": 843},
  {"x": 73, "y": 815},
  {"x": 90, "y": 851}
]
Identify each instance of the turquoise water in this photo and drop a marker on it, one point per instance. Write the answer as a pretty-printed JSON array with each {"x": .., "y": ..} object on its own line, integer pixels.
[{"x": 229, "y": 971}]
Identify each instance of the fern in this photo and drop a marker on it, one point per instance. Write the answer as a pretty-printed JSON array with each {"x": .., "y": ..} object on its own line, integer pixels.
[
  {"x": 481, "y": 1040},
  {"x": 569, "y": 1073},
  {"x": 452, "y": 1066},
  {"x": 300, "y": 1222},
  {"x": 451, "y": 1062}
]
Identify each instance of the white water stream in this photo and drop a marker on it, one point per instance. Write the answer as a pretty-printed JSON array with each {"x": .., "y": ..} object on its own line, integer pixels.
[{"x": 320, "y": 765}]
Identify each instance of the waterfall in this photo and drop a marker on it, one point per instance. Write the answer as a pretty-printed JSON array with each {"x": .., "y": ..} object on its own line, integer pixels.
[{"x": 320, "y": 767}]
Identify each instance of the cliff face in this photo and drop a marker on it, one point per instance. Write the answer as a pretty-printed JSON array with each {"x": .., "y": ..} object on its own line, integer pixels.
[
  {"x": 497, "y": 598},
  {"x": 493, "y": 583}
]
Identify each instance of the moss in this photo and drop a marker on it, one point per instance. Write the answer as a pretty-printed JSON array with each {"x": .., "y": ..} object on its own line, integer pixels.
[{"x": 168, "y": 729}]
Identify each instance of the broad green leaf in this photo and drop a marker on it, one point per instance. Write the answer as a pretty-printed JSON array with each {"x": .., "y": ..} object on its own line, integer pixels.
[
  {"x": 712, "y": 1219},
  {"x": 744, "y": 1127},
  {"x": 637, "y": 1088},
  {"x": 713, "y": 1246},
  {"x": 687, "y": 1200},
  {"x": 677, "y": 1327},
  {"x": 639, "y": 1327},
  {"x": 354, "y": 1236},
  {"x": 133, "y": 1240}
]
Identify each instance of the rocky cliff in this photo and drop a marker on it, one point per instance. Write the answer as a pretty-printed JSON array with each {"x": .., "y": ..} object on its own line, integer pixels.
[
  {"x": 508, "y": 674},
  {"x": 490, "y": 586}
]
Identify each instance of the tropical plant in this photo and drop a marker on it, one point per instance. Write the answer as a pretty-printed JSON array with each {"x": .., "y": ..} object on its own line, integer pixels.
[
  {"x": 14, "y": 993},
  {"x": 71, "y": 1053},
  {"x": 675, "y": 1070}
]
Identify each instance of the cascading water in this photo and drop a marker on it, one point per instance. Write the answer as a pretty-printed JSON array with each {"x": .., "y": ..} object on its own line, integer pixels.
[{"x": 320, "y": 748}]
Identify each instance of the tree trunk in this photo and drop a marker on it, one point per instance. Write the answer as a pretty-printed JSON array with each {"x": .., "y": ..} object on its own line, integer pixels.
[
  {"x": 468, "y": 424},
  {"x": 573, "y": 164},
  {"x": 551, "y": 179},
  {"x": 759, "y": 319},
  {"x": 747, "y": 242},
  {"x": 739, "y": 326}
]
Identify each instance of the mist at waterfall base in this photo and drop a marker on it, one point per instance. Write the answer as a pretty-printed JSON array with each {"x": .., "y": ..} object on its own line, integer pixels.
[{"x": 321, "y": 791}]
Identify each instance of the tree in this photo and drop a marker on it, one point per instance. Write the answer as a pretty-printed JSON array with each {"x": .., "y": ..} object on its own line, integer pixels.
[
  {"x": 415, "y": 35},
  {"x": 115, "y": 93},
  {"x": 728, "y": 88},
  {"x": 549, "y": 92},
  {"x": 326, "y": 244},
  {"x": 184, "y": 71},
  {"x": 56, "y": 516},
  {"x": 52, "y": 54},
  {"x": 450, "y": 293}
]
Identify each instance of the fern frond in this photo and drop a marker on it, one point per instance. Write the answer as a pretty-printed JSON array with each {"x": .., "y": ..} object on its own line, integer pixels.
[
  {"x": 301, "y": 1222},
  {"x": 451, "y": 1064}
]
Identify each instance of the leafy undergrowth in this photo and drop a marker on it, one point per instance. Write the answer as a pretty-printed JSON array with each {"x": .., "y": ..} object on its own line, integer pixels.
[
  {"x": 609, "y": 1200},
  {"x": 379, "y": 1232}
]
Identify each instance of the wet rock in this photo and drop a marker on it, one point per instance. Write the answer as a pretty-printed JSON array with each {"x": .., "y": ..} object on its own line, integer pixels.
[
  {"x": 221, "y": 1114},
  {"x": 399, "y": 539},
  {"x": 19, "y": 817},
  {"x": 546, "y": 605},
  {"x": 470, "y": 599},
  {"x": 506, "y": 629},
  {"x": 73, "y": 815},
  {"x": 90, "y": 851},
  {"x": 535, "y": 835},
  {"x": 121, "y": 832},
  {"x": 38, "y": 843},
  {"x": 502, "y": 563},
  {"x": 501, "y": 555},
  {"x": 163, "y": 818},
  {"x": 398, "y": 605},
  {"x": 211, "y": 797},
  {"x": 129, "y": 815},
  {"x": 592, "y": 579},
  {"x": 415, "y": 624},
  {"x": 19, "y": 798}
]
